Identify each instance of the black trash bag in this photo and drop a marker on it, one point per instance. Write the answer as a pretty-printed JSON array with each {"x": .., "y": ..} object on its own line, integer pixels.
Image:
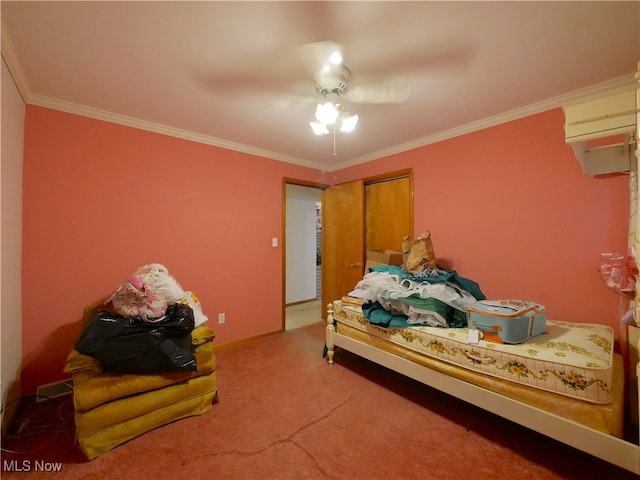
[{"x": 130, "y": 345}]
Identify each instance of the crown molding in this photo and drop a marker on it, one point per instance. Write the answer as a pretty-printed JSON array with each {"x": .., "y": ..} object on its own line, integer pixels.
[
  {"x": 98, "y": 114},
  {"x": 13, "y": 65},
  {"x": 533, "y": 109}
]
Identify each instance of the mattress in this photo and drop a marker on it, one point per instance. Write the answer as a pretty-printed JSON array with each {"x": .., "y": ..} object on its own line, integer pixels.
[{"x": 570, "y": 359}]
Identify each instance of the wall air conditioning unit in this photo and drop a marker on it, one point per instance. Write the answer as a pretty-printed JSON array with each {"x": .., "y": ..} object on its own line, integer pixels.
[{"x": 601, "y": 131}]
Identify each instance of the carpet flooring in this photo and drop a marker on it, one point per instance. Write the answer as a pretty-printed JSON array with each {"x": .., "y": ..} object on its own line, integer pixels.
[{"x": 285, "y": 414}]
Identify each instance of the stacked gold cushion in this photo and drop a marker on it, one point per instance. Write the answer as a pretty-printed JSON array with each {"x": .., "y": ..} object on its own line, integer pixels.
[{"x": 112, "y": 408}]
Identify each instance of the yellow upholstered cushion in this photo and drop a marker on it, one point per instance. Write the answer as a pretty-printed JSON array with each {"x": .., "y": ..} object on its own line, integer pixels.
[
  {"x": 129, "y": 408},
  {"x": 106, "y": 427},
  {"x": 82, "y": 367},
  {"x": 111, "y": 386},
  {"x": 202, "y": 334},
  {"x": 112, "y": 408}
]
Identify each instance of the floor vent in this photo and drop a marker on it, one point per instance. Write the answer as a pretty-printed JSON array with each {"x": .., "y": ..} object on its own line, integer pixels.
[{"x": 54, "y": 390}]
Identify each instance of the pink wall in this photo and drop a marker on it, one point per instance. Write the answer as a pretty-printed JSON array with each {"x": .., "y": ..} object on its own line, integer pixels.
[
  {"x": 101, "y": 200},
  {"x": 508, "y": 207}
]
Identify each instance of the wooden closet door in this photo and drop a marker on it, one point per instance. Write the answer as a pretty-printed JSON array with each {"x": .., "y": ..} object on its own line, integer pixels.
[{"x": 388, "y": 213}]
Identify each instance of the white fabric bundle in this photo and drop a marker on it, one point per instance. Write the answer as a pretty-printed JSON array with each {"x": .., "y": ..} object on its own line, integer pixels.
[
  {"x": 156, "y": 276},
  {"x": 383, "y": 286}
]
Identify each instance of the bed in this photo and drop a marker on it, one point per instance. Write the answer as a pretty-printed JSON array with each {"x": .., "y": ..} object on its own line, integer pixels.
[{"x": 595, "y": 428}]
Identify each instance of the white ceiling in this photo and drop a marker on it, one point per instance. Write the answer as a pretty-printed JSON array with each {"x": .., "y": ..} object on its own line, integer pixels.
[{"x": 227, "y": 73}]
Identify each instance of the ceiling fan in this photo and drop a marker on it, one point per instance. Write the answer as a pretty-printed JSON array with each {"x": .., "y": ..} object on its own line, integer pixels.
[{"x": 324, "y": 61}]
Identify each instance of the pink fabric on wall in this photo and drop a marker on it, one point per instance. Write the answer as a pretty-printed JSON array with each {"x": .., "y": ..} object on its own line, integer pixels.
[{"x": 507, "y": 206}]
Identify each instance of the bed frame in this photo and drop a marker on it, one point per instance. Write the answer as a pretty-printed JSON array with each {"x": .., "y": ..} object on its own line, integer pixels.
[{"x": 601, "y": 445}]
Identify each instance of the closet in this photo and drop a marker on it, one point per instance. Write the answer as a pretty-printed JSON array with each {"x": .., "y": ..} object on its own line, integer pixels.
[{"x": 372, "y": 213}]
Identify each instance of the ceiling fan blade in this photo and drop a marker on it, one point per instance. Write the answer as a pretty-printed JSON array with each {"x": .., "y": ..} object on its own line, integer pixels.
[
  {"x": 394, "y": 91},
  {"x": 317, "y": 55},
  {"x": 285, "y": 102}
]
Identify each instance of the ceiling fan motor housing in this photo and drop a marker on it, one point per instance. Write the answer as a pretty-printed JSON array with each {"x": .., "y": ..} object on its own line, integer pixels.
[{"x": 333, "y": 80}]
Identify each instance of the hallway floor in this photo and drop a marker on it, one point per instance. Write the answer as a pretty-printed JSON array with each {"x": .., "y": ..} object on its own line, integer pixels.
[{"x": 303, "y": 314}]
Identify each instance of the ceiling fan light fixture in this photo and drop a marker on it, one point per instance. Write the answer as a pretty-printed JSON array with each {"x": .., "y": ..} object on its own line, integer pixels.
[
  {"x": 319, "y": 128},
  {"x": 327, "y": 113},
  {"x": 349, "y": 122}
]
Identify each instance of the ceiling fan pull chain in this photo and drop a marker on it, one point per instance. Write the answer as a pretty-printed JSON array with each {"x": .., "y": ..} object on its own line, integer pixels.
[{"x": 334, "y": 139}]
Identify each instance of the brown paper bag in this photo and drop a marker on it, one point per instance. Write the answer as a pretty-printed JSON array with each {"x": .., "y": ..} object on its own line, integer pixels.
[{"x": 418, "y": 255}]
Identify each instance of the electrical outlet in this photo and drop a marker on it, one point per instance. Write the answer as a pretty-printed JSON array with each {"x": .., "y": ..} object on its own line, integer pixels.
[{"x": 221, "y": 318}]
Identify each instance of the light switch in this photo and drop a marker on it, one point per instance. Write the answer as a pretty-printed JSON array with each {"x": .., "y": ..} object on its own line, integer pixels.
[{"x": 274, "y": 242}]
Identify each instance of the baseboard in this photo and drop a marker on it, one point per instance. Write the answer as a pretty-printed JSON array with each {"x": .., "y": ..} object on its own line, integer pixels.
[
  {"x": 301, "y": 302},
  {"x": 244, "y": 341}
]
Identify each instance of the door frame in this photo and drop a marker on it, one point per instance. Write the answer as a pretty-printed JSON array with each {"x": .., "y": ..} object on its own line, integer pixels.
[
  {"x": 303, "y": 183},
  {"x": 406, "y": 172}
]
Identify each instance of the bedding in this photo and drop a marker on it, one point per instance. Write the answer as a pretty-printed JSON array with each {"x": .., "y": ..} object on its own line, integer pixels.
[{"x": 570, "y": 359}]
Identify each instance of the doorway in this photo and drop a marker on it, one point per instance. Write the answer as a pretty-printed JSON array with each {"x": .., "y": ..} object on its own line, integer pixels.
[
  {"x": 389, "y": 202},
  {"x": 303, "y": 255}
]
